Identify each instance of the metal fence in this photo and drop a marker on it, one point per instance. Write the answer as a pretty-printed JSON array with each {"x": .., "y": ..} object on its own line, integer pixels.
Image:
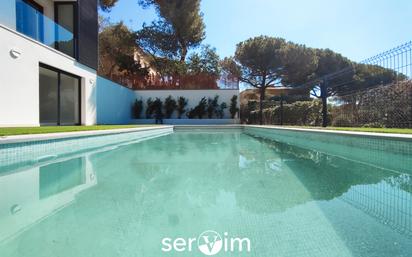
[
  {"x": 385, "y": 202},
  {"x": 374, "y": 93}
]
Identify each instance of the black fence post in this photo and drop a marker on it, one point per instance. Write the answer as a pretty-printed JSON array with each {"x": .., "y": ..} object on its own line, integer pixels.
[
  {"x": 281, "y": 110},
  {"x": 324, "y": 96},
  {"x": 410, "y": 108}
]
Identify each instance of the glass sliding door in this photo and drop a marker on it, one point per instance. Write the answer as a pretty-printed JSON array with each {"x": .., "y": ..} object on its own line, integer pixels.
[
  {"x": 69, "y": 100},
  {"x": 59, "y": 97},
  {"x": 48, "y": 82},
  {"x": 65, "y": 17}
]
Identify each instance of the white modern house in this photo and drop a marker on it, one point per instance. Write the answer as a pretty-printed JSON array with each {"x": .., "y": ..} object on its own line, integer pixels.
[{"x": 48, "y": 63}]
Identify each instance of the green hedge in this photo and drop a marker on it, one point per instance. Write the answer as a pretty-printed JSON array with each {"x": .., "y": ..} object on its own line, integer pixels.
[{"x": 302, "y": 113}]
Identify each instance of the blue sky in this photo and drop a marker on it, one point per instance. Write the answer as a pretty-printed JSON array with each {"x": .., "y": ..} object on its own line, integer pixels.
[{"x": 357, "y": 29}]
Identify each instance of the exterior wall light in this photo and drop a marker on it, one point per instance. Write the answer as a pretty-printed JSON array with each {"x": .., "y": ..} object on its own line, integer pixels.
[
  {"x": 15, "y": 209},
  {"x": 15, "y": 53}
]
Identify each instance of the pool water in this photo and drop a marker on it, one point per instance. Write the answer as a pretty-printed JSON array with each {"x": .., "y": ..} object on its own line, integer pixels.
[{"x": 287, "y": 200}]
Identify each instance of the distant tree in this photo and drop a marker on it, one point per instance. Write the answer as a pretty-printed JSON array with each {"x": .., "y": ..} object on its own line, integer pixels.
[
  {"x": 158, "y": 41},
  {"x": 299, "y": 64},
  {"x": 264, "y": 61},
  {"x": 363, "y": 77},
  {"x": 181, "y": 106},
  {"x": 106, "y": 5},
  {"x": 116, "y": 51},
  {"x": 330, "y": 62},
  {"x": 181, "y": 19},
  {"x": 344, "y": 76},
  {"x": 205, "y": 62},
  {"x": 103, "y": 22}
]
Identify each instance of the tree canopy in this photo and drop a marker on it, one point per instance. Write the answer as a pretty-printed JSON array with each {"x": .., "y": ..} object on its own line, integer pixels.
[
  {"x": 173, "y": 42},
  {"x": 205, "y": 62},
  {"x": 117, "y": 45},
  {"x": 361, "y": 77},
  {"x": 344, "y": 76},
  {"x": 180, "y": 20},
  {"x": 264, "y": 61},
  {"x": 106, "y": 5}
]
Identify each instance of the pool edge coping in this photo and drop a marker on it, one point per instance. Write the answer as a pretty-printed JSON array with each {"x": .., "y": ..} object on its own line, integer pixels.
[
  {"x": 338, "y": 132},
  {"x": 73, "y": 134},
  {"x": 63, "y": 135}
]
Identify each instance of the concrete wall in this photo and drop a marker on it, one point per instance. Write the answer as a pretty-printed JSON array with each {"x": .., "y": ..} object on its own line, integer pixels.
[
  {"x": 114, "y": 102},
  {"x": 19, "y": 79},
  {"x": 193, "y": 97}
]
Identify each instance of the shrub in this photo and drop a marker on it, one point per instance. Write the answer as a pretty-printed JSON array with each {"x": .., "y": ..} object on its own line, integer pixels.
[
  {"x": 169, "y": 106},
  {"x": 303, "y": 113},
  {"x": 137, "y": 108},
  {"x": 157, "y": 107},
  {"x": 212, "y": 105},
  {"x": 149, "y": 108},
  {"x": 220, "y": 112},
  {"x": 382, "y": 106},
  {"x": 341, "y": 120},
  {"x": 373, "y": 125},
  {"x": 199, "y": 110},
  {"x": 233, "y": 109},
  {"x": 181, "y": 105},
  {"x": 191, "y": 114}
]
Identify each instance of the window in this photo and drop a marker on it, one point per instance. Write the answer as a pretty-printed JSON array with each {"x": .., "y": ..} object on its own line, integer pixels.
[
  {"x": 64, "y": 13},
  {"x": 29, "y": 19},
  {"x": 59, "y": 97}
]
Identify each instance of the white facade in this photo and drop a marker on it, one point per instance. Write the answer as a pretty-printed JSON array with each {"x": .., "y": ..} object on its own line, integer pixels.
[
  {"x": 19, "y": 79},
  {"x": 20, "y": 60}
]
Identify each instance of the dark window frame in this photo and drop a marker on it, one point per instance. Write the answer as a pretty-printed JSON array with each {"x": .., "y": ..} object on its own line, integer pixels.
[
  {"x": 35, "y": 5},
  {"x": 75, "y": 24},
  {"x": 79, "y": 79}
]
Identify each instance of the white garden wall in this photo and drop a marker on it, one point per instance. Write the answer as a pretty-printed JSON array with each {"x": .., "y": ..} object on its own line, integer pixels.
[
  {"x": 19, "y": 79},
  {"x": 114, "y": 102},
  {"x": 193, "y": 97}
]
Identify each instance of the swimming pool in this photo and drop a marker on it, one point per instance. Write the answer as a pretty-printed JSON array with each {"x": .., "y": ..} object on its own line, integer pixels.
[{"x": 288, "y": 193}]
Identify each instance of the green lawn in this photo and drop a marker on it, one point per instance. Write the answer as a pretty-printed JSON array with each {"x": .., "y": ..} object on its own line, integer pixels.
[
  {"x": 56, "y": 129},
  {"x": 376, "y": 130}
]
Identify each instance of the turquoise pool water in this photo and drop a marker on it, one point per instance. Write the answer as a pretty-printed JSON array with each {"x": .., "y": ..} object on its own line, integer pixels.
[{"x": 288, "y": 200}]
